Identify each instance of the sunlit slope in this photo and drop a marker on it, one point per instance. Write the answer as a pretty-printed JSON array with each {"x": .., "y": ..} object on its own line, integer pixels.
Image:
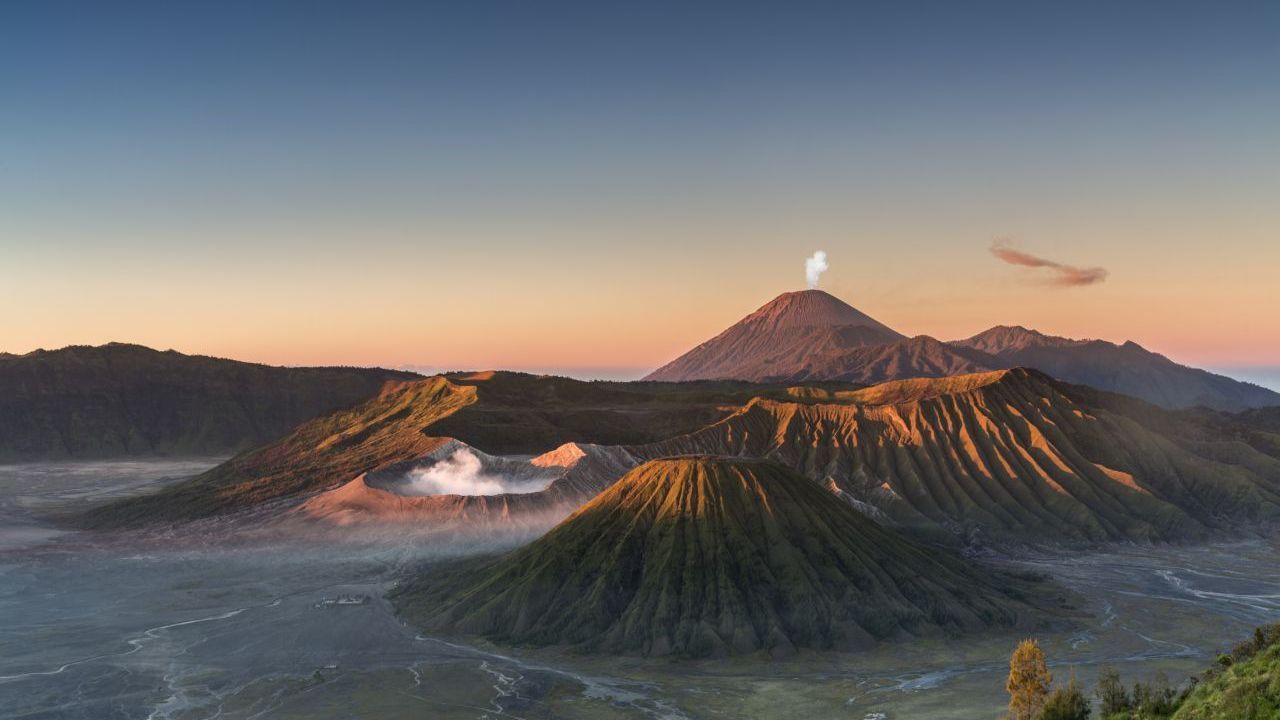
[
  {"x": 1011, "y": 453},
  {"x": 711, "y": 556},
  {"x": 321, "y": 453},
  {"x": 498, "y": 413}
]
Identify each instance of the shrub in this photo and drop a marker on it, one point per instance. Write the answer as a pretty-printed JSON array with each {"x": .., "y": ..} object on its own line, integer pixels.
[
  {"x": 1066, "y": 703},
  {"x": 1154, "y": 699},
  {"x": 1112, "y": 693}
]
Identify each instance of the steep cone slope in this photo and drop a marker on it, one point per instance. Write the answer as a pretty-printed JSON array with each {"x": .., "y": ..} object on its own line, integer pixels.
[
  {"x": 712, "y": 556},
  {"x": 775, "y": 341},
  {"x": 1014, "y": 454},
  {"x": 1128, "y": 368}
]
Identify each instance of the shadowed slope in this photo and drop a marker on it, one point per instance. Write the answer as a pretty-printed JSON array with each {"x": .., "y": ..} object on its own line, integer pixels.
[
  {"x": 1128, "y": 368},
  {"x": 712, "y": 556},
  {"x": 127, "y": 400},
  {"x": 915, "y": 357}
]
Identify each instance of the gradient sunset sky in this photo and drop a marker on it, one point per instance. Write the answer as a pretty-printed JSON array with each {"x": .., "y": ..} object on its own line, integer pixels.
[{"x": 596, "y": 187}]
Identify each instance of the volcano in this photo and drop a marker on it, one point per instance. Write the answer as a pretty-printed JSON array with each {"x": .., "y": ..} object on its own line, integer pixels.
[
  {"x": 812, "y": 336},
  {"x": 709, "y": 556},
  {"x": 777, "y": 340}
]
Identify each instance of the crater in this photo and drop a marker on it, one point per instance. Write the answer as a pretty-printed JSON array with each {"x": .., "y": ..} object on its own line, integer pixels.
[{"x": 457, "y": 469}]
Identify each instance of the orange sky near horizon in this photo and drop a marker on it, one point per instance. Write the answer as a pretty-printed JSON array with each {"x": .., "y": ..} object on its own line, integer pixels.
[{"x": 595, "y": 304}]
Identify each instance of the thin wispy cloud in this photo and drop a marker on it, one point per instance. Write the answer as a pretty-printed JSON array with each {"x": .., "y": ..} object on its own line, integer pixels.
[{"x": 1060, "y": 275}]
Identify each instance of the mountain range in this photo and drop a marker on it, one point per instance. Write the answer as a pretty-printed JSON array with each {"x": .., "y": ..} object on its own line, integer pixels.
[
  {"x": 121, "y": 400},
  {"x": 814, "y": 480},
  {"x": 496, "y": 412},
  {"x": 998, "y": 457},
  {"x": 812, "y": 335},
  {"x": 127, "y": 400}
]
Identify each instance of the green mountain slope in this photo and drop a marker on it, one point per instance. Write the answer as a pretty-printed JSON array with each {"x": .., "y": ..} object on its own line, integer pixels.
[
  {"x": 712, "y": 556},
  {"x": 1248, "y": 690}
]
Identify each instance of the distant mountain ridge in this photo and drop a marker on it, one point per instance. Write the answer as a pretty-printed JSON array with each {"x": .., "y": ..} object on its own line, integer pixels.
[
  {"x": 811, "y": 335},
  {"x": 1003, "y": 456},
  {"x": 128, "y": 400},
  {"x": 1128, "y": 368},
  {"x": 1013, "y": 338}
]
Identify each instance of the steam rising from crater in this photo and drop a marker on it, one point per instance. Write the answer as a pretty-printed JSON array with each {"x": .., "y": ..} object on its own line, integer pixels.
[
  {"x": 814, "y": 267},
  {"x": 462, "y": 473}
]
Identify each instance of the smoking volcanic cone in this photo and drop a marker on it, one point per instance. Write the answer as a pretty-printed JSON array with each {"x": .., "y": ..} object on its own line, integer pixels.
[
  {"x": 703, "y": 556},
  {"x": 778, "y": 339}
]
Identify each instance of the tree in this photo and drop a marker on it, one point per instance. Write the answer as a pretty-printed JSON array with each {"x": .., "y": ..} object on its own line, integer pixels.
[
  {"x": 1066, "y": 703},
  {"x": 1112, "y": 693},
  {"x": 1029, "y": 680}
]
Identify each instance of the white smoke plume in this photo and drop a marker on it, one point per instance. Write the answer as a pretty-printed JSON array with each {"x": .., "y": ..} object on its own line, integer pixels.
[
  {"x": 462, "y": 474},
  {"x": 814, "y": 267}
]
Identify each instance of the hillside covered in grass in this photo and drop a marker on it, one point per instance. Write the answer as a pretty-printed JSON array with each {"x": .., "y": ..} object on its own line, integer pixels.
[
  {"x": 705, "y": 556},
  {"x": 1244, "y": 686}
]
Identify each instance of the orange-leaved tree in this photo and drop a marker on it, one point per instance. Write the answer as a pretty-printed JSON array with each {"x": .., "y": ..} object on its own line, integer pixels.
[{"x": 1029, "y": 681}]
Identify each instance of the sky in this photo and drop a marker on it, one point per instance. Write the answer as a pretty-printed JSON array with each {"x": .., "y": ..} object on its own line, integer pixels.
[{"x": 597, "y": 187}]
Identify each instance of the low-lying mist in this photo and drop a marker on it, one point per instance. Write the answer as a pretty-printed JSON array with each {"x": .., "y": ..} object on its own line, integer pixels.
[{"x": 462, "y": 473}]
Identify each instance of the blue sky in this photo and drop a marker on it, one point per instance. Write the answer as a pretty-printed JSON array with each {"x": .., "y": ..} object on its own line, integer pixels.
[{"x": 601, "y": 184}]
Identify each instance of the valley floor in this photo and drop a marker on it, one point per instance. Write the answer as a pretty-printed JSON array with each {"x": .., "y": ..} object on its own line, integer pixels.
[{"x": 192, "y": 626}]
